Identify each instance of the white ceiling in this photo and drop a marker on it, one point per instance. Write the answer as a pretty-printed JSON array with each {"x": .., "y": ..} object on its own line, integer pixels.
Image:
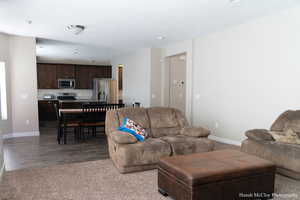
[
  {"x": 115, "y": 26},
  {"x": 68, "y": 52}
]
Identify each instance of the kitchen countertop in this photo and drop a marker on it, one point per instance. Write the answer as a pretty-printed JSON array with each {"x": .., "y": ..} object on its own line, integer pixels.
[
  {"x": 72, "y": 101},
  {"x": 80, "y": 100}
]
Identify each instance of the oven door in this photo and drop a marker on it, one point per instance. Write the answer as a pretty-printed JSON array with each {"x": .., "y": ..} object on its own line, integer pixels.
[{"x": 66, "y": 83}]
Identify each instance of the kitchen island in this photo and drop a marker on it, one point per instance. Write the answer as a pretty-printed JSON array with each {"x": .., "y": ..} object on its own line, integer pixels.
[{"x": 47, "y": 110}]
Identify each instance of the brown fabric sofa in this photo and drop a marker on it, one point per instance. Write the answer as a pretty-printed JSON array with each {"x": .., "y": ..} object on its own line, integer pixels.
[
  {"x": 169, "y": 135},
  {"x": 286, "y": 156}
]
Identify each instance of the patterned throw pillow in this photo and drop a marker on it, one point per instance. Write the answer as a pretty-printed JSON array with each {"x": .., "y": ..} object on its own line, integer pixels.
[{"x": 136, "y": 130}]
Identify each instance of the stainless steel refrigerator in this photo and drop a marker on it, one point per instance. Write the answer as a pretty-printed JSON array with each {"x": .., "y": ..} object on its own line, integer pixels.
[{"x": 105, "y": 90}]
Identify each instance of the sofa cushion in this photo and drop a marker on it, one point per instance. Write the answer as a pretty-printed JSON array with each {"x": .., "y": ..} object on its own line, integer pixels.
[
  {"x": 195, "y": 131},
  {"x": 285, "y": 119},
  {"x": 284, "y": 155},
  {"x": 288, "y": 136},
  {"x": 122, "y": 137},
  {"x": 139, "y": 115},
  {"x": 142, "y": 153},
  {"x": 111, "y": 121},
  {"x": 161, "y": 132},
  {"x": 161, "y": 117},
  {"x": 182, "y": 121},
  {"x": 186, "y": 145},
  {"x": 293, "y": 124},
  {"x": 259, "y": 135}
]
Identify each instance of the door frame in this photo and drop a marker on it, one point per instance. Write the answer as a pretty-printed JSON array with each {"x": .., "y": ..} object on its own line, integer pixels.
[
  {"x": 188, "y": 87},
  {"x": 117, "y": 78},
  {"x": 169, "y": 75}
]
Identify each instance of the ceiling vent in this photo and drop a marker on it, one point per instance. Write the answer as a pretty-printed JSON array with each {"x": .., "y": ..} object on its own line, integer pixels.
[{"x": 75, "y": 29}]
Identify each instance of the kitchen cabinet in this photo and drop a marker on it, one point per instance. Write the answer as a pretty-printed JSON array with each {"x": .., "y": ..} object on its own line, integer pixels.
[
  {"x": 84, "y": 76},
  {"x": 64, "y": 71},
  {"x": 47, "y": 110},
  {"x": 102, "y": 72},
  {"x": 107, "y": 71},
  {"x": 46, "y": 75}
]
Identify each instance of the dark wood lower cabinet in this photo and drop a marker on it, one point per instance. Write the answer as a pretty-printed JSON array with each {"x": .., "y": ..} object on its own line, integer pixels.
[{"x": 47, "y": 110}]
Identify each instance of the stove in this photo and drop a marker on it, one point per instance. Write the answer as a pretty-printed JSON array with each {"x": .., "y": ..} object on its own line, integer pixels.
[{"x": 66, "y": 96}]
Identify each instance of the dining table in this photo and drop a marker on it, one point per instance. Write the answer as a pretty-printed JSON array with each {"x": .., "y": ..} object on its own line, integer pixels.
[
  {"x": 70, "y": 111},
  {"x": 77, "y": 111}
]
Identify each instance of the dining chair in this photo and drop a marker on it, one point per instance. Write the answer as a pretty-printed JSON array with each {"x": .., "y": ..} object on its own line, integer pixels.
[
  {"x": 94, "y": 115},
  {"x": 65, "y": 122}
]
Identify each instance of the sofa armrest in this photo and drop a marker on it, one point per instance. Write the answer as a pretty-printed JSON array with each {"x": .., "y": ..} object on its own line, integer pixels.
[
  {"x": 121, "y": 137},
  {"x": 195, "y": 131},
  {"x": 259, "y": 135}
]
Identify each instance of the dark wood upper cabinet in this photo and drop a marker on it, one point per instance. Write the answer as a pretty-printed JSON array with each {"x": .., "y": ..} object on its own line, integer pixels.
[
  {"x": 98, "y": 72},
  {"x": 102, "y": 72},
  {"x": 107, "y": 71},
  {"x": 84, "y": 76},
  {"x": 46, "y": 74},
  {"x": 65, "y": 71}
]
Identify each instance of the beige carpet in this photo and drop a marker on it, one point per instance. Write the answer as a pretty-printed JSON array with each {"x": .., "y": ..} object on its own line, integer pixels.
[{"x": 96, "y": 180}]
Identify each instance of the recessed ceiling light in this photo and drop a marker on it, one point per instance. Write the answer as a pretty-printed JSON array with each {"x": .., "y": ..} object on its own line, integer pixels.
[
  {"x": 75, "y": 29},
  {"x": 234, "y": 1},
  {"x": 160, "y": 37}
]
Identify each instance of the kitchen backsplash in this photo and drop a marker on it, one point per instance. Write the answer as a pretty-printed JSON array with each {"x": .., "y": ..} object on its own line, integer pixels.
[{"x": 81, "y": 94}]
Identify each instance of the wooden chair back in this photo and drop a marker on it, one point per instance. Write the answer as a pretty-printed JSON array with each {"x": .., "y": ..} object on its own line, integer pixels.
[{"x": 96, "y": 112}]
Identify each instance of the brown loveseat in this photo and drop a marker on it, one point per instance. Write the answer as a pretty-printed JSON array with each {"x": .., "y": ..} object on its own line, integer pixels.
[
  {"x": 169, "y": 135},
  {"x": 286, "y": 156}
]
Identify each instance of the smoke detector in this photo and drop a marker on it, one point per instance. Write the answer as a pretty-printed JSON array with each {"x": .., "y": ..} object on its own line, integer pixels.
[
  {"x": 75, "y": 29},
  {"x": 160, "y": 37}
]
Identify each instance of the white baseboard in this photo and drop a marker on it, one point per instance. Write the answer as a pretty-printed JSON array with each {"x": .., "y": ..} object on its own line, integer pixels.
[
  {"x": 1, "y": 172},
  {"x": 225, "y": 140},
  {"x": 21, "y": 134}
]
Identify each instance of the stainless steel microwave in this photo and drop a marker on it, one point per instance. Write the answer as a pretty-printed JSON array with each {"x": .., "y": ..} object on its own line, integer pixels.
[{"x": 66, "y": 83}]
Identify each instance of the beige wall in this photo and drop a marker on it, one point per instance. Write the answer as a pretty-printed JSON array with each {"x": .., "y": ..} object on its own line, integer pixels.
[
  {"x": 23, "y": 79},
  {"x": 141, "y": 76},
  {"x": 237, "y": 79},
  {"x": 19, "y": 55},
  {"x": 245, "y": 76},
  {"x": 156, "y": 77},
  {"x": 136, "y": 76},
  {"x": 5, "y": 125}
]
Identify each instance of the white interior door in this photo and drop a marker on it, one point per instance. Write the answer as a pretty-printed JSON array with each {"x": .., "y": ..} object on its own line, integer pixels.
[{"x": 177, "y": 69}]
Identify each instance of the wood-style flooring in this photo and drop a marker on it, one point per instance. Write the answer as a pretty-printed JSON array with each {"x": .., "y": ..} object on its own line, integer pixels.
[{"x": 42, "y": 151}]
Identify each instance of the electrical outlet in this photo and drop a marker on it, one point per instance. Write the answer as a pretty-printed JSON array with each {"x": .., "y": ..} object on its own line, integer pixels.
[{"x": 27, "y": 122}]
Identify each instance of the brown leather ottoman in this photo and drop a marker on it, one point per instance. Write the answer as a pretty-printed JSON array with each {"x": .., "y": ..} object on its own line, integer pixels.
[{"x": 216, "y": 175}]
